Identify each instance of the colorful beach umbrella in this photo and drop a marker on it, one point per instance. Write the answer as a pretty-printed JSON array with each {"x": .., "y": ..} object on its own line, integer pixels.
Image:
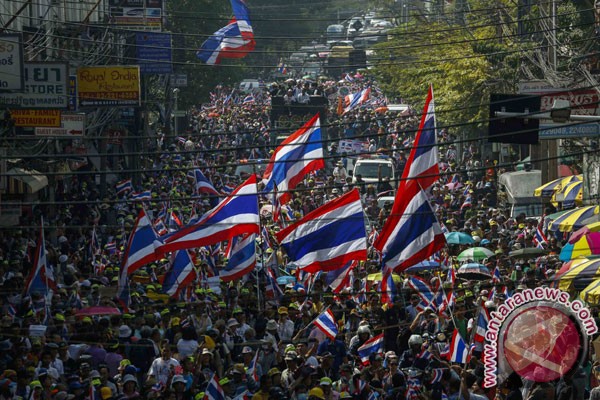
[
  {"x": 473, "y": 272},
  {"x": 426, "y": 265},
  {"x": 458, "y": 238},
  {"x": 574, "y": 219},
  {"x": 591, "y": 293},
  {"x": 548, "y": 189},
  {"x": 580, "y": 276},
  {"x": 475, "y": 254},
  {"x": 569, "y": 195},
  {"x": 588, "y": 244}
]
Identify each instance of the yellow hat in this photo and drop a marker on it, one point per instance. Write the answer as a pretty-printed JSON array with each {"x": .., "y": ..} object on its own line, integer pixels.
[
  {"x": 317, "y": 392},
  {"x": 59, "y": 317},
  {"x": 224, "y": 381},
  {"x": 273, "y": 371},
  {"x": 35, "y": 384},
  {"x": 209, "y": 342},
  {"x": 521, "y": 226},
  {"x": 86, "y": 320},
  {"x": 199, "y": 396},
  {"x": 175, "y": 321},
  {"x": 105, "y": 393},
  {"x": 282, "y": 310}
]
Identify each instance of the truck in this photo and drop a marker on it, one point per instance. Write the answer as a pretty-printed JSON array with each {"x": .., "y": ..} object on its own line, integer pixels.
[
  {"x": 515, "y": 193},
  {"x": 373, "y": 167}
]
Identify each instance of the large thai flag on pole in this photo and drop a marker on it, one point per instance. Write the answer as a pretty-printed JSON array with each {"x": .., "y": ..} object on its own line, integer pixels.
[
  {"x": 180, "y": 275},
  {"x": 422, "y": 162},
  {"x": 203, "y": 185},
  {"x": 241, "y": 258},
  {"x": 140, "y": 248},
  {"x": 458, "y": 349},
  {"x": 339, "y": 279},
  {"x": 41, "y": 277},
  {"x": 388, "y": 287},
  {"x": 354, "y": 100},
  {"x": 373, "y": 345},
  {"x": 328, "y": 237},
  {"x": 412, "y": 232},
  {"x": 296, "y": 156},
  {"x": 236, "y": 215},
  {"x": 234, "y": 40},
  {"x": 326, "y": 323}
]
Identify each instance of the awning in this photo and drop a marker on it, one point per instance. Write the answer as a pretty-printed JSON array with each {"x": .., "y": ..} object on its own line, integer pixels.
[{"x": 32, "y": 179}]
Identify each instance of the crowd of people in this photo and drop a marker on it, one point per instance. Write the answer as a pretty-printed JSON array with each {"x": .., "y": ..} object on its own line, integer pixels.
[{"x": 240, "y": 338}]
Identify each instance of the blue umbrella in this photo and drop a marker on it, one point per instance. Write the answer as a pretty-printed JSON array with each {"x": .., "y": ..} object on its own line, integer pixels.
[
  {"x": 286, "y": 279},
  {"x": 458, "y": 238},
  {"x": 426, "y": 265},
  {"x": 474, "y": 272}
]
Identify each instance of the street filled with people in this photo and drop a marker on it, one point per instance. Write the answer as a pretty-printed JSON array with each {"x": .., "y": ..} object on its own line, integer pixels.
[{"x": 68, "y": 332}]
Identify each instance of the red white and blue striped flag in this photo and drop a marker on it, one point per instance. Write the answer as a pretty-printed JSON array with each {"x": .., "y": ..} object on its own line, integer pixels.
[{"x": 326, "y": 323}]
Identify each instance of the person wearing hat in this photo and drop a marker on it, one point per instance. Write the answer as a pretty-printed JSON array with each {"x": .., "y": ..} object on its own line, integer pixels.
[
  {"x": 288, "y": 375},
  {"x": 316, "y": 393},
  {"x": 264, "y": 387},
  {"x": 130, "y": 386},
  {"x": 339, "y": 173},
  {"x": 178, "y": 386},
  {"x": 161, "y": 368},
  {"x": 240, "y": 316},
  {"x": 240, "y": 380},
  {"x": 285, "y": 326},
  {"x": 106, "y": 393},
  {"x": 325, "y": 383}
]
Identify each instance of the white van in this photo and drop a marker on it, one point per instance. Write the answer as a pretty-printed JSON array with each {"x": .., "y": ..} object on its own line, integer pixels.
[
  {"x": 251, "y": 86},
  {"x": 372, "y": 167}
]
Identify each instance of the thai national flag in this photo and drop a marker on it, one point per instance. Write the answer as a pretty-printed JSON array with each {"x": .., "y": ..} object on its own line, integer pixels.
[
  {"x": 282, "y": 68},
  {"x": 482, "y": 324},
  {"x": 41, "y": 277},
  {"x": 272, "y": 289},
  {"x": 326, "y": 323},
  {"x": 339, "y": 279},
  {"x": 348, "y": 78},
  {"x": 160, "y": 227},
  {"x": 214, "y": 391},
  {"x": 227, "y": 189},
  {"x": 245, "y": 395},
  {"x": 181, "y": 139},
  {"x": 437, "y": 374},
  {"x": 371, "y": 346},
  {"x": 296, "y": 156},
  {"x": 252, "y": 371},
  {"x": 141, "y": 196},
  {"x": 249, "y": 99},
  {"x": 539, "y": 239},
  {"x": 458, "y": 349},
  {"x": 203, "y": 185},
  {"x": 236, "y": 215},
  {"x": 124, "y": 186},
  {"x": 411, "y": 233},
  {"x": 422, "y": 162},
  {"x": 423, "y": 290},
  {"x": 235, "y": 40},
  {"x": 328, "y": 237},
  {"x": 388, "y": 287},
  {"x": 140, "y": 249},
  {"x": 354, "y": 100},
  {"x": 266, "y": 238},
  {"x": 468, "y": 202},
  {"x": 241, "y": 258},
  {"x": 180, "y": 274}
]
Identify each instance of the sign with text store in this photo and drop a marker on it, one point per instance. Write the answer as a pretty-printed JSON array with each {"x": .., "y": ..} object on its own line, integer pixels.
[{"x": 108, "y": 86}]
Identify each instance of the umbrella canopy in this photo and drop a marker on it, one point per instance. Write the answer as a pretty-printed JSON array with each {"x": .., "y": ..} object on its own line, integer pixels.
[
  {"x": 573, "y": 219},
  {"x": 473, "y": 272},
  {"x": 98, "y": 310},
  {"x": 458, "y": 238},
  {"x": 580, "y": 276},
  {"x": 286, "y": 279},
  {"x": 570, "y": 195},
  {"x": 426, "y": 265},
  {"x": 548, "y": 189},
  {"x": 588, "y": 244},
  {"x": 528, "y": 252},
  {"x": 475, "y": 254},
  {"x": 377, "y": 277},
  {"x": 591, "y": 293}
]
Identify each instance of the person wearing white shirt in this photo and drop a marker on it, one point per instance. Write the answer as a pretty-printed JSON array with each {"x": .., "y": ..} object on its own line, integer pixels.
[
  {"x": 285, "y": 327},
  {"x": 163, "y": 366}
]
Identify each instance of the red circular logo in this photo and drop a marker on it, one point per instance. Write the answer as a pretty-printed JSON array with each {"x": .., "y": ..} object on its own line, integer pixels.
[{"x": 541, "y": 343}]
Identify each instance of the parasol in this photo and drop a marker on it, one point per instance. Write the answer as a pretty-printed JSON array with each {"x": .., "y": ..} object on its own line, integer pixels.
[
  {"x": 569, "y": 195},
  {"x": 591, "y": 293},
  {"x": 475, "y": 254},
  {"x": 573, "y": 219},
  {"x": 586, "y": 245},
  {"x": 548, "y": 189},
  {"x": 473, "y": 272},
  {"x": 458, "y": 238},
  {"x": 426, "y": 265},
  {"x": 580, "y": 276},
  {"x": 528, "y": 252},
  {"x": 377, "y": 277}
]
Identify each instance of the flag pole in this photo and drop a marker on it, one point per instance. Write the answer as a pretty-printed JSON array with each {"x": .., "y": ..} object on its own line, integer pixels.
[{"x": 262, "y": 253}]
